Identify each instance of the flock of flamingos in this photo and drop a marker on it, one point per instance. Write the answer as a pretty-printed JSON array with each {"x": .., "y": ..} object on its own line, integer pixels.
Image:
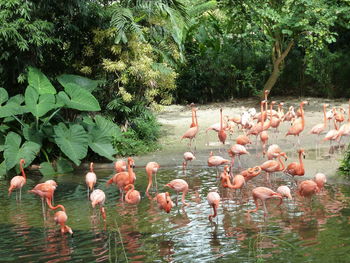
[{"x": 124, "y": 178}]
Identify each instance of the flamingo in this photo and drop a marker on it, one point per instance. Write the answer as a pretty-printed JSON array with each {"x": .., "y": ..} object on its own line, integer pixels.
[
  {"x": 243, "y": 140},
  {"x": 239, "y": 150},
  {"x": 319, "y": 128},
  {"x": 188, "y": 156},
  {"x": 214, "y": 201},
  {"x": 272, "y": 166},
  {"x": 308, "y": 188},
  {"x": 193, "y": 124},
  {"x": 339, "y": 116},
  {"x": 264, "y": 193},
  {"x": 294, "y": 168},
  {"x": 18, "y": 181},
  {"x": 330, "y": 115},
  {"x": 61, "y": 218},
  {"x": 320, "y": 179},
  {"x": 290, "y": 115},
  {"x": 90, "y": 179},
  {"x": 98, "y": 197},
  {"x": 273, "y": 151},
  {"x": 257, "y": 128},
  {"x": 275, "y": 120},
  {"x": 152, "y": 168},
  {"x": 132, "y": 196},
  {"x": 284, "y": 191},
  {"x": 298, "y": 125},
  {"x": 45, "y": 191},
  {"x": 191, "y": 132},
  {"x": 164, "y": 201},
  {"x": 344, "y": 130},
  {"x": 122, "y": 179},
  {"x": 262, "y": 116},
  {"x": 215, "y": 160},
  {"x": 332, "y": 134},
  {"x": 250, "y": 173},
  {"x": 120, "y": 166},
  {"x": 280, "y": 111},
  {"x": 222, "y": 134},
  {"x": 179, "y": 185}
]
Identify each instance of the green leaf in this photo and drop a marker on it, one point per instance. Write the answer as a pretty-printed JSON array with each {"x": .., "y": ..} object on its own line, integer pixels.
[
  {"x": 73, "y": 142},
  {"x": 101, "y": 143},
  {"x": 3, "y": 95},
  {"x": 2, "y": 169},
  {"x": 13, "y": 107},
  {"x": 40, "y": 82},
  {"x": 13, "y": 151},
  {"x": 38, "y": 105},
  {"x": 62, "y": 166},
  {"x": 107, "y": 127},
  {"x": 88, "y": 84},
  {"x": 78, "y": 98},
  {"x": 30, "y": 133}
]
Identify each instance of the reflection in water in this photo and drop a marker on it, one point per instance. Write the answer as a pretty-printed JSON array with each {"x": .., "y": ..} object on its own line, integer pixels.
[{"x": 143, "y": 233}]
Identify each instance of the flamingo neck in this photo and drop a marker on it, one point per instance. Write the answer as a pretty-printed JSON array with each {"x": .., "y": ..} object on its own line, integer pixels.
[
  {"x": 221, "y": 119},
  {"x": 301, "y": 161},
  {"x": 281, "y": 163},
  {"x": 91, "y": 167},
  {"x": 130, "y": 172},
  {"x": 335, "y": 124},
  {"x": 149, "y": 173},
  {"x": 324, "y": 117},
  {"x": 193, "y": 121},
  {"x": 262, "y": 113},
  {"x": 302, "y": 116},
  {"x": 195, "y": 116},
  {"x": 22, "y": 170},
  {"x": 55, "y": 207}
]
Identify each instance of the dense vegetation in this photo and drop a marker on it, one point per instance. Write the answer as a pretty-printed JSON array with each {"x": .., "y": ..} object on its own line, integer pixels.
[{"x": 143, "y": 54}]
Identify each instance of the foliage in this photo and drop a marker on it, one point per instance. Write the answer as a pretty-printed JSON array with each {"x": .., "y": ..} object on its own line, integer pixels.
[
  {"x": 36, "y": 120},
  {"x": 344, "y": 167}
]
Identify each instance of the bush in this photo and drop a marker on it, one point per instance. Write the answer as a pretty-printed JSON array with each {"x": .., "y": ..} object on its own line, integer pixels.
[{"x": 344, "y": 168}]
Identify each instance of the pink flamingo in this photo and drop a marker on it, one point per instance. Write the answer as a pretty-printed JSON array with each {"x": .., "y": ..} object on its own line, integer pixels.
[
  {"x": 332, "y": 134},
  {"x": 272, "y": 166},
  {"x": 98, "y": 197},
  {"x": 263, "y": 194},
  {"x": 243, "y": 140},
  {"x": 320, "y": 179},
  {"x": 18, "y": 181},
  {"x": 45, "y": 191},
  {"x": 179, "y": 185},
  {"x": 193, "y": 124},
  {"x": 132, "y": 196},
  {"x": 319, "y": 128},
  {"x": 188, "y": 156},
  {"x": 122, "y": 179},
  {"x": 222, "y": 134},
  {"x": 290, "y": 115},
  {"x": 344, "y": 130},
  {"x": 273, "y": 151},
  {"x": 275, "y": 120},
  {"x": 299, "y": 124},
  {"x": 61, "y": 218},
  {"x": 214, "y": 201},
  {"x": 284, "y": 191},
  {"x": 294, "y": 168},
  {"x": 308, "y": 188},
  {"x": 152, "y": 168},
  {"x": 237, "y": 150},
  {"x": 339, "y": 116},
  {"x": 250, "y": 173},
  {"x": 90, "y": 179},
  {"x": 191, "y": 132},
  {"x": 164, "y": 201},
  {"x": 120, "y": 166}
]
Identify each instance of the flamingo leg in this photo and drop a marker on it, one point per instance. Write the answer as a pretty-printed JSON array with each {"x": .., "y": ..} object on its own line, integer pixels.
[
  {"x": 265, "y": 210},
  {"x": 256, "y": 206},
  {"x": 155, "y": 179},
  {"x": 20, "y": 194},
  {"x": 177, "y": 197},
  {"x": 88, "y": 193}
]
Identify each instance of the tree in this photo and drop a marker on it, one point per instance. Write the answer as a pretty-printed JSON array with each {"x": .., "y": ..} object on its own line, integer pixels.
[{"x": 285, "y": 24}]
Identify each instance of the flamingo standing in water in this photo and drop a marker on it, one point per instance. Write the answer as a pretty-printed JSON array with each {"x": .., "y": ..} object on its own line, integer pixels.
[
  {"x": 90, "y": 179},
  {"x": 264, "y": 193},
  {"x": 45, "y": 191},
  {"x": 164, "y": 201},
  {"x": 193, "y": 123},
  {"x": 122, "y": 179},
  {"x": 273, "y": 151},
  {"x": 214, "y": 201},
  {"x": 284, "y": 191},
  {"x": 308, "y": 188},
  {"x": 299, "y": 124},
  {"x": 344, "y": 130},
  {"x": 188, "y": 156},
  {"x": 179, "y": 185},
  {"x": 238, "y": 180},
  {"x": 332, "y": 134},
  {"x": 295, "y": 168},
  {"x": 120, "y": 166},
  {"x": 215, "y": 160},
  {"x": 61, "y": 218},
  {"x": 132, "y": 196},
  {"x": 243, "y": 140},
  {"x": 272, "y": 166},
  {"x": 152, "y": 168},
  {"x": 237, "y": 150},
  {"x": 98, "y": 197},
  {"x": 320, "y": 179},
  {"x": 18, "y": 181},
  {"x": 191, "y": 132}
]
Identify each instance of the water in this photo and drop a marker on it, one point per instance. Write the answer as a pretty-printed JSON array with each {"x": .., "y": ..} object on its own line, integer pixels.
[{"x": 298, "y": 231}]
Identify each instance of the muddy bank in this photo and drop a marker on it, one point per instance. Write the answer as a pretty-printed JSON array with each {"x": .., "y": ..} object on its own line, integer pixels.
[{"x": 176, "y": 119}]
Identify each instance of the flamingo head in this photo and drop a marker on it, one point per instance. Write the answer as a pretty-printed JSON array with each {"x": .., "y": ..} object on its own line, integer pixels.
[
  {"x": 22, "y": 161},
  {"x": 302, "y": 151},
  {"x": 281, "y": 104},
  {"x": 273, "y": 102},
  {"x": 304, "y": 102},
  {"x": 131, "y": 162},
  {"x": 284, "y": 155},
  {"x": 325, "y": 105}
]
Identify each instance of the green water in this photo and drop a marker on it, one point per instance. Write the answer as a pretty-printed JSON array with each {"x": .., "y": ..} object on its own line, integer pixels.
[{"x": 298, "y": 231}]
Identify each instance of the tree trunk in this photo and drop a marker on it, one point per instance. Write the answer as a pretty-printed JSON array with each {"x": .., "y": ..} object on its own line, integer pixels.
[{"x": 276, "y": 68}]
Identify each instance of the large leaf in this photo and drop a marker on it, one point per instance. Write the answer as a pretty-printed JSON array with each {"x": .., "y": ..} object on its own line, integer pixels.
[
  {"x": 62, "y": 166},
  {"x": 101, "y": 144},
  {"x": 3, "y": 95},
  {"x": 73, "y": 142},
  {"x": 13, "y": 107},
  {"x": 2, "y": 169},
  {"x": 78, "y": 98},
  {"x": 40, "y": 82},
  {"x": 38, "y": 105},
  {"x": 107, "y": 127},
  {"x": 13, "y": 151},
  {"x": 88, "y": 84},
  {"x": 30, "y": 133}
]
